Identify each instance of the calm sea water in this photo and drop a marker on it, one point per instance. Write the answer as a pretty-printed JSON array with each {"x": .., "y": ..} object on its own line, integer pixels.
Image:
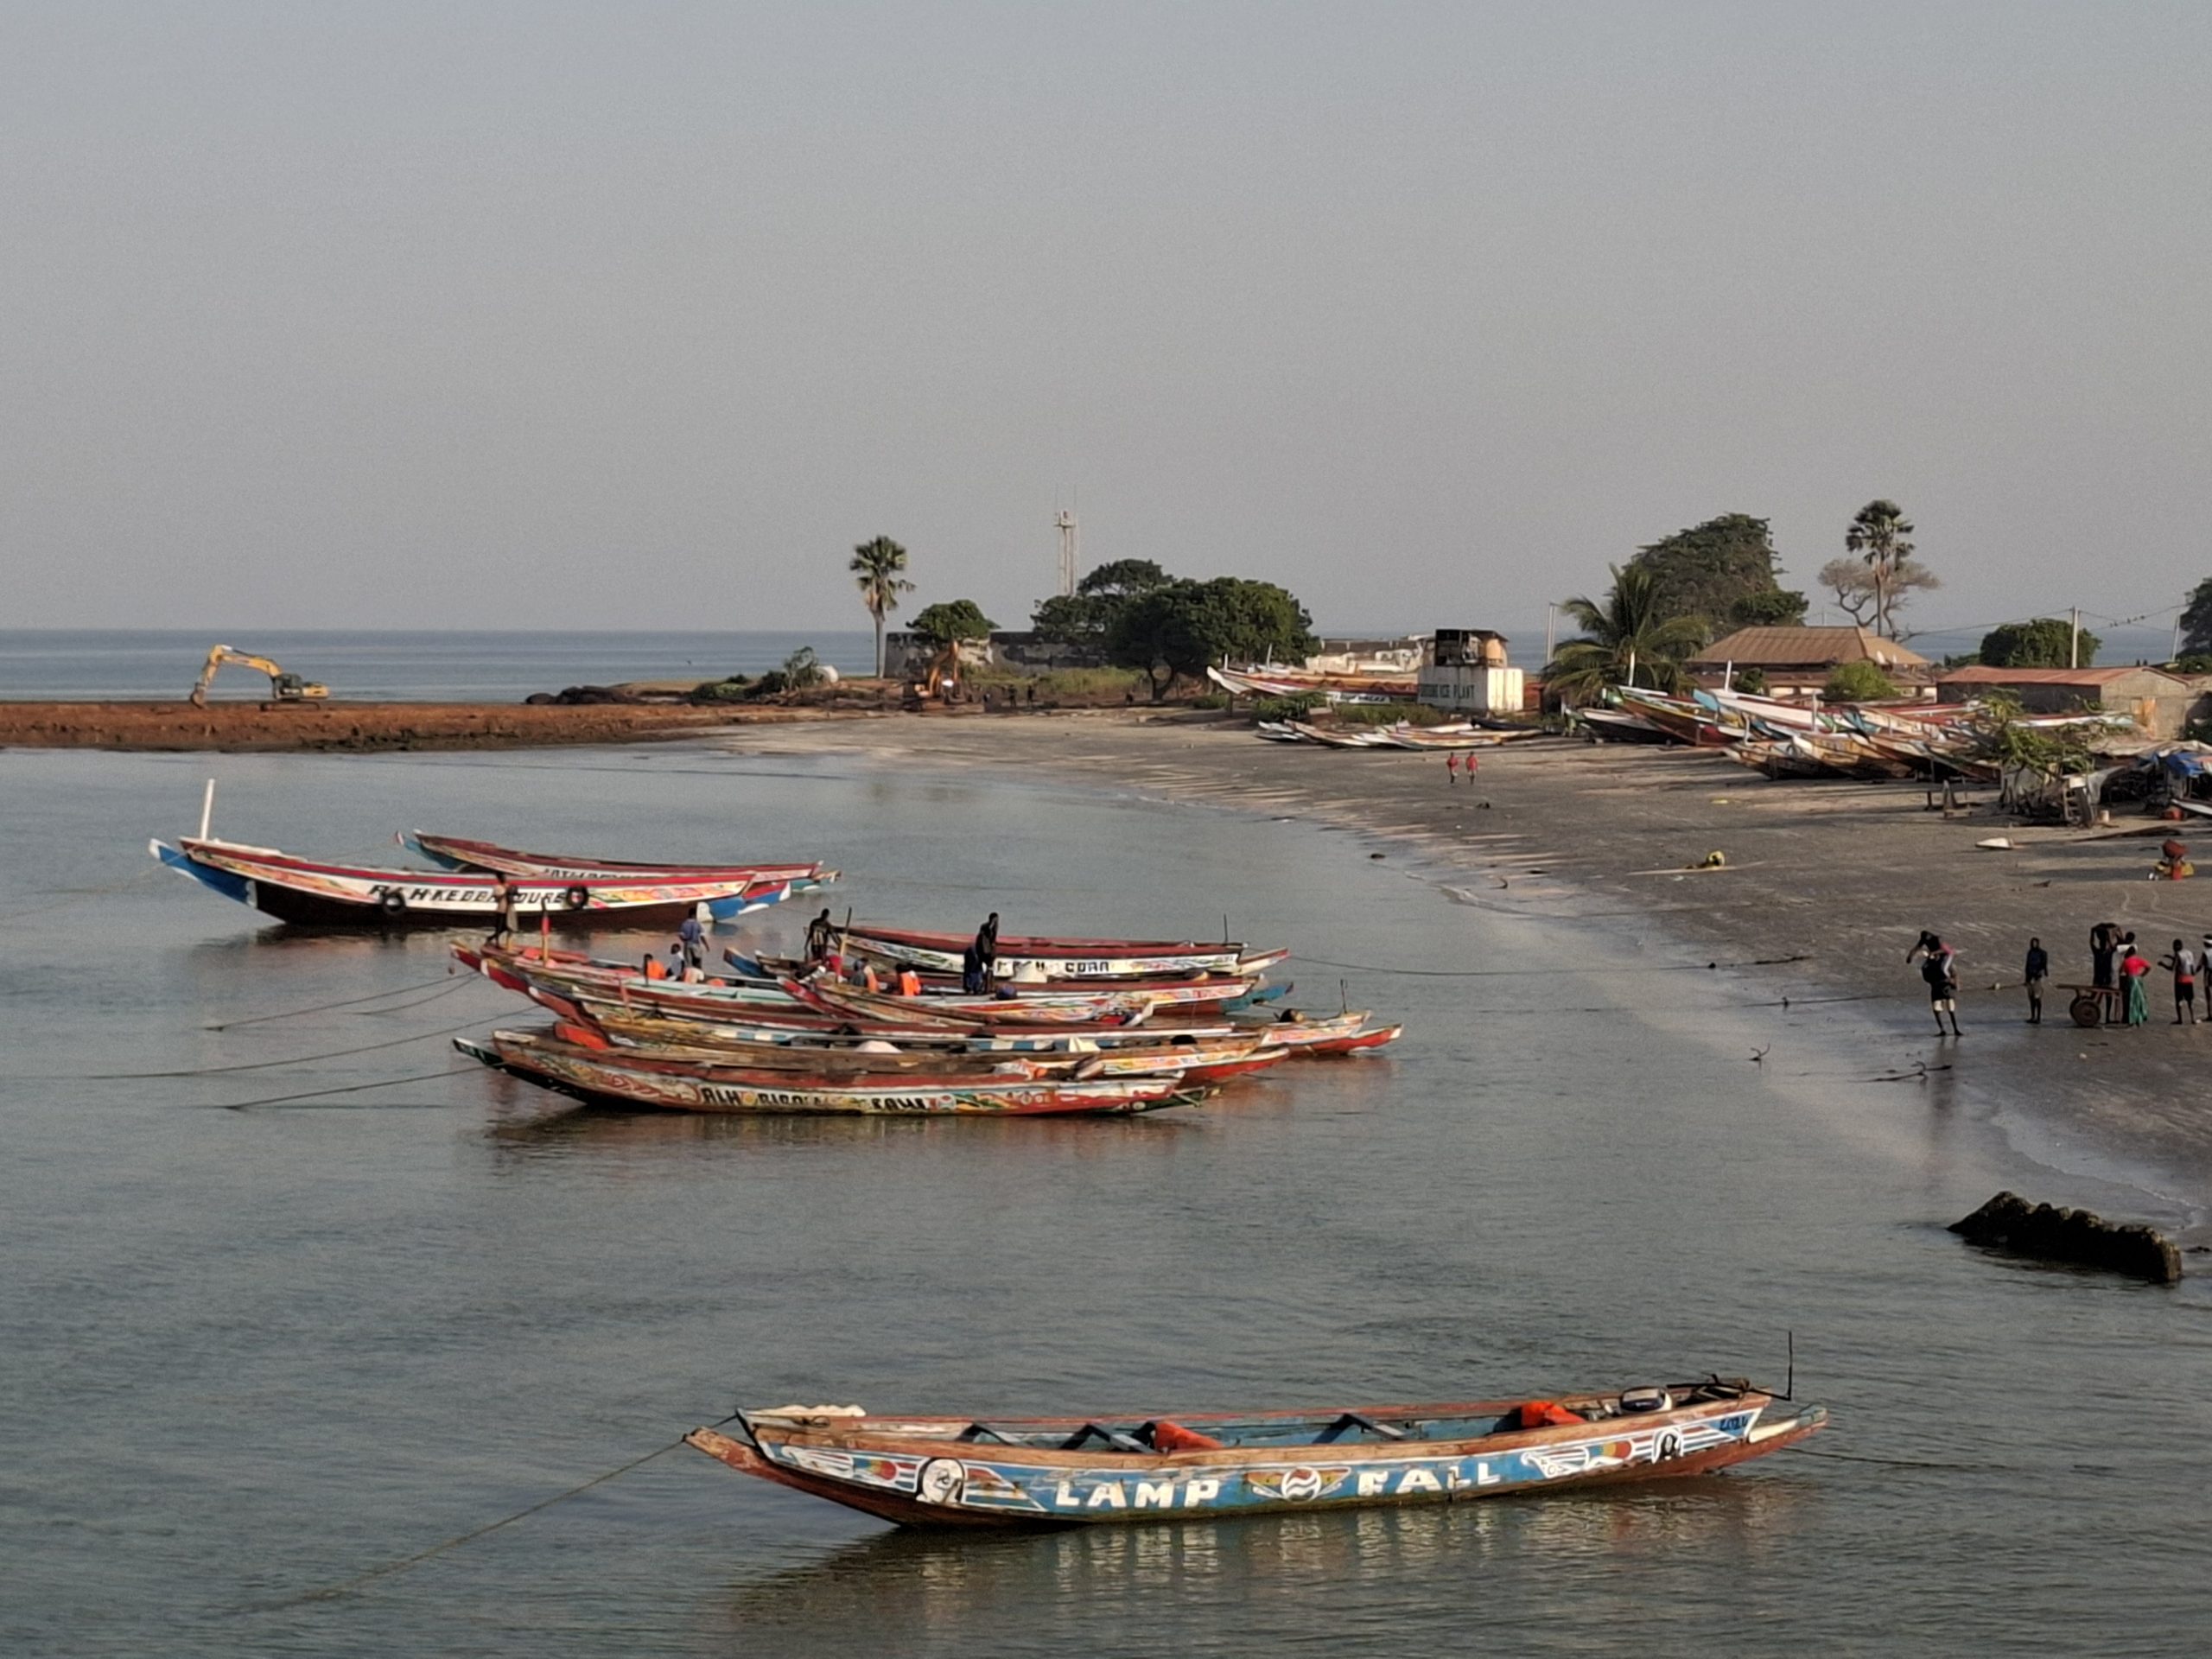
[
  {"x": 253, "y": 1350},
  {"x": 398, "y": 665}
]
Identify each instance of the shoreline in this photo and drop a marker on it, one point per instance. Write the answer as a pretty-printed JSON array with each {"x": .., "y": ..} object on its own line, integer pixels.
[
  {"x": 265, "y": 728},
  {"x": 1827, "y": 885}
]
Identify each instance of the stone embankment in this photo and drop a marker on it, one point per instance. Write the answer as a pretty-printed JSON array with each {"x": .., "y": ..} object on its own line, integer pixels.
[
  {"x": 2011, "y": 1223},
  {"x": 241, "y": 726}
]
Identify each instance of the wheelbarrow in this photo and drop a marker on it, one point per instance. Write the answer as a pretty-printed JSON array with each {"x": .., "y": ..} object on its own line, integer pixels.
[{"x": 2097, "y": 1005}]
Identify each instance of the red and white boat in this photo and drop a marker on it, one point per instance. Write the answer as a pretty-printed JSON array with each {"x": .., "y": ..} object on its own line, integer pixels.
[{"x": 455, "y": 853}]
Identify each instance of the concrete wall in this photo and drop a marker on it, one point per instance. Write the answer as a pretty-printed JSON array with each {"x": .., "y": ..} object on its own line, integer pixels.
[{"x": 1467, "y": 690}]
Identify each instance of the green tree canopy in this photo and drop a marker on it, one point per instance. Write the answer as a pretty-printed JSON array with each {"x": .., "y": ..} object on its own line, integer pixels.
[
  {"x": 2197, "y": 621},
  {"x": 1184, "y": 625},
  {"x": 1859, "y": 682},
  {"x": 948, "y": 620},
  {"x": 2047, "y": 642},
  {"x": 1880, "y": 575},
  {"x": 876, "y": 567},
  {"x": 1087, "y": 616},
  {"x": 1721, "y": 573},
  {"x": 1626, "y": 641}
]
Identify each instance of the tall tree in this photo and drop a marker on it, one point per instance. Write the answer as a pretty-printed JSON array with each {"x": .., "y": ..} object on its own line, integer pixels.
[
  {"x": 876, "y": 569},
  {"x": 946, "y": 622},
  {"x": 1087, "y": 616},
  {"x": 2047, "y": 642},
  {"x": 1626, "y": 640},
  {"x": 1181, "y": 628},
  {"x": 1877, "y": 536},
  {"x": 2196, "y": 620},
  {"x": 1721, "y": 572}
]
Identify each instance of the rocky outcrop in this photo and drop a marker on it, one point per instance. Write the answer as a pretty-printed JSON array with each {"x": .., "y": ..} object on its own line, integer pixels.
[{"x": 2053, "y": 1234}]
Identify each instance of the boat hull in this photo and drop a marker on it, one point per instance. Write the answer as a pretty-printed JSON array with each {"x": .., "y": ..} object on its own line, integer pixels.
[
  {"x": 455, "y": 853},
  {"x": 940, "y": 1480},
  {"x": 610, "y": 1078},
  {"x": 336, "y": 895}
]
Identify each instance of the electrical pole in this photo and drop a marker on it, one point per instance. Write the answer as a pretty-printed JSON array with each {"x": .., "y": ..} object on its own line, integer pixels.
[
  {"x": 1551, "y": 612},
  {"x": 2074, "y": 641}
]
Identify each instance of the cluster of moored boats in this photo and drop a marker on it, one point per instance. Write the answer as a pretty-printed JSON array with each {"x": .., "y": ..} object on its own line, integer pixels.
[
  {"x": 1789, "y": 739},
  {"x": 872, "y": 1020},
  {"x": 1067, "y": 1026}
]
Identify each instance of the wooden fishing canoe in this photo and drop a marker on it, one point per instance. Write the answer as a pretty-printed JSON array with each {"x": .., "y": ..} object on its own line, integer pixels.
[
  {"x": 303, "y": 890},
  {"x": 957, "y": 1472},
  {"x": 604, "y": 1077},
  {"x": 1058, "y": 958},
  {"x": 456, "y": 853}
]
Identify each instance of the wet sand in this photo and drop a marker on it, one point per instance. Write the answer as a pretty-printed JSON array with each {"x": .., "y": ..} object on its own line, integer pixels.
[
  {"x": 235, "y": 726},
  {"x": 1825, "y": 886}
]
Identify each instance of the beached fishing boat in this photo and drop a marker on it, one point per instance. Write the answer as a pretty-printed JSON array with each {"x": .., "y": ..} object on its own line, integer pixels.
[
  {"x": 960, "y": 1472},
  {"x": 614, "y": 1077},
  {"x": 350, "y": 895},
  {"x": 457, "y": 854},
  {"x": 1056, "y": 958}
]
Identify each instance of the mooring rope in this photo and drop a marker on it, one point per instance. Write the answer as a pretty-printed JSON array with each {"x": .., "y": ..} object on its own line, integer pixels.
[
  {"x": 350, "y": 1089},
  {"x": 324, "y": 1007},
  {"x": 347, "y": 1585},
  {"x": 264, "y": 1065}
]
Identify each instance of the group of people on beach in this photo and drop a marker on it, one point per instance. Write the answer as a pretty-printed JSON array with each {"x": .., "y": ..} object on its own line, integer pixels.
[{"x": 2118, "y": 968}]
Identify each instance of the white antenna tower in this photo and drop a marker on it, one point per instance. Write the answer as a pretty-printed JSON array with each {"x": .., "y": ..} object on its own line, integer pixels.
[{"x": 1071, "y": 548}]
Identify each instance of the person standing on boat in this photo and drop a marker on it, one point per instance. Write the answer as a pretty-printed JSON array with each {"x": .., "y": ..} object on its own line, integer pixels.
[
  {"x": 503, "y": 897},
  {"x": 971, "y": 970},
  {"x": 2037, "y": 971},
  {"x": 987, "y": 944},
  {"x": 819, "y": 931},
  {"x": 2183, "y": 962}
]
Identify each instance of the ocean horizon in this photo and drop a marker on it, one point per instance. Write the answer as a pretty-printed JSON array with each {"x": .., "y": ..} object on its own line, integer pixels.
[{"x": 507, "y": 665}]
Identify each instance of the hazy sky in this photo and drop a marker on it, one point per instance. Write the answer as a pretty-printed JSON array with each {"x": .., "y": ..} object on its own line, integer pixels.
[{"x": 641, "y": 315}]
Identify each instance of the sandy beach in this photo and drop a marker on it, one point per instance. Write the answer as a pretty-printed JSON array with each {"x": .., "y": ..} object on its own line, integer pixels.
[{"x": 1825, "y": 888}]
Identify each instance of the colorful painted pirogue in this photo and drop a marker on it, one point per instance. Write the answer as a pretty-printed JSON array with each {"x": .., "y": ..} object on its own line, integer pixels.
[
  {"x": 600, "y": 1074},
  {"x": 303, "y": 890},
  {"x": 1058, "y": 958},
  {"x": 455, "y": 853},
  {"x": 956, "y": 1471}
]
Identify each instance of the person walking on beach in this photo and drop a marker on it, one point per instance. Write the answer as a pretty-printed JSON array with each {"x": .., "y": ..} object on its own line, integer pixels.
[
  {"x": 2132, "y": 968},
  {"x": 817, "y": 936},
  {"x": 2183, "y": 962},
  {"x": 2037, "y": 971},
  {"x": 1939, "y": 970},
  {"x": 1450, "y": 768},
  {"x": 693, "y": 939},
  {"x": 503, "y": 897}
]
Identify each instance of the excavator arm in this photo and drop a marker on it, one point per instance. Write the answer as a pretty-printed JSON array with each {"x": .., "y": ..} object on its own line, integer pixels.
[{"x": 285, "y": 687}]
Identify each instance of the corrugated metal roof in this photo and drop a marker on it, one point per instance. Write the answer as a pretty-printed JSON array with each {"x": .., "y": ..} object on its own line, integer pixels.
[
  {"x": 1983, "y": 674},
  {"x": 1806, "y": 647}
]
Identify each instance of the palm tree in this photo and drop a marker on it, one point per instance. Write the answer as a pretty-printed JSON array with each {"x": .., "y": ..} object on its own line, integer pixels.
[
  {"x": 1626, "y": 639},
  {"x": 1878, "y": 535},
  {"x": 875, "y": 567}
]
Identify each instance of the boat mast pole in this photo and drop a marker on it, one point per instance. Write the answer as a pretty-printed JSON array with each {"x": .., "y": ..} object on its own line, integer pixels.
[{"x": 207, "y": 809}]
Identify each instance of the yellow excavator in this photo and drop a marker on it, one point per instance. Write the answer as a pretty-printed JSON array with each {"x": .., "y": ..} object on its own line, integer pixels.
[{"x": 283, "y": 686}]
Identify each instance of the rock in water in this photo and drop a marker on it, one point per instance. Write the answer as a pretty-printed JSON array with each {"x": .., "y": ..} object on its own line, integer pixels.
[{"x": 2061, "y": 1235}]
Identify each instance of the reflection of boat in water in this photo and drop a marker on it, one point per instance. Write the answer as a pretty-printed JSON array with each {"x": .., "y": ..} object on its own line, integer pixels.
[
  {"x": 946, "y": 1471},
  {"x": 907, "y": 1579}
]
